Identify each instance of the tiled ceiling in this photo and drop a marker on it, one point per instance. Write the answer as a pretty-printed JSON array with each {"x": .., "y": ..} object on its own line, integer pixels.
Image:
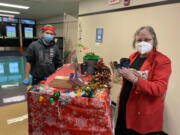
[{"x": 41, "y": 9}]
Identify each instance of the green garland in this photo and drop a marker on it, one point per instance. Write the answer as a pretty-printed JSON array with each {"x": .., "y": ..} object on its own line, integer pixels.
[{"x": 91, "y": 56}]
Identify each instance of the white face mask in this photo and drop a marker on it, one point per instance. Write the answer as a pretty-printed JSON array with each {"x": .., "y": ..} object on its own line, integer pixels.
[{"x": 143, "y": 47}]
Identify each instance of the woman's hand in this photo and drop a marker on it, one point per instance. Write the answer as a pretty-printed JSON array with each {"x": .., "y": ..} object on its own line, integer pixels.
[
  {"x": 134, "y": 71},
  {"x": 129, "y": 74}
]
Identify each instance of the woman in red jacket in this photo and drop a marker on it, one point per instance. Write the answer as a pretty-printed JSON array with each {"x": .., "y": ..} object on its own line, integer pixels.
[{"x": 141, "y": 103}]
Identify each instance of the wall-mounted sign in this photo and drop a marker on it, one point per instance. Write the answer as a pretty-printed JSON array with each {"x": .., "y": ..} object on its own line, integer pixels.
[
  {"x": 25, "y": 21},
  {"x": 10, "y": 20},
  {"x": 99, "y": 35},
  {"x": 113, "y": 1},
  {"x": 126, "y": 2}
]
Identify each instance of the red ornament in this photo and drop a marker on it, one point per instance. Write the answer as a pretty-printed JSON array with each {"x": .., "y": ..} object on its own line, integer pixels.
[
  {"x": 43, "y": 82},
  {"x": 55, "y": 90},
  {"x": 126, "y": 2}
]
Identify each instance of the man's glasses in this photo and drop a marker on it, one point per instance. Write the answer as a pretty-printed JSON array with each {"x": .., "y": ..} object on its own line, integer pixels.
[{"x": 146, "y": 40}]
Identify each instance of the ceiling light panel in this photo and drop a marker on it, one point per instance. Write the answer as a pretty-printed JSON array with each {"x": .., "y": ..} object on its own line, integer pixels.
[
  {"x": 14, "y": 6},
  {"x": 11, "y": 12},
  {"x": 7, "y": 15}
]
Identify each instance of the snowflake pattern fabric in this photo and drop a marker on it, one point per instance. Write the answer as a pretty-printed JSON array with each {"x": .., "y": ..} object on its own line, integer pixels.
[{"x": 75, "y": 116}]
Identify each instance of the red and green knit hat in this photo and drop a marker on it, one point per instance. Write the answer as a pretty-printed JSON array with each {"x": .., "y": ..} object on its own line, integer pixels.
[{"x": 48, "y": 27}]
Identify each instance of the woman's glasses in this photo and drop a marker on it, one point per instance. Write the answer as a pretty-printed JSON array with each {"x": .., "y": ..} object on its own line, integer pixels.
[{"x": 146, "y": 40}]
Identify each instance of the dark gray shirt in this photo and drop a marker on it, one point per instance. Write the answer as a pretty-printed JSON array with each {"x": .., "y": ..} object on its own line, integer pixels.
[{"x": 44, "y": 59}]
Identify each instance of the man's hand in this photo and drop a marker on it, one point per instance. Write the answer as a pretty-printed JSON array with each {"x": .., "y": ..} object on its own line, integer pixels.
[{"x": 26, "y": 82}]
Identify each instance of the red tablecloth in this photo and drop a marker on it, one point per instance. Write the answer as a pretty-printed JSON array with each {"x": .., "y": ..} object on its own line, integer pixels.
[{"x": 69, "y": 115}]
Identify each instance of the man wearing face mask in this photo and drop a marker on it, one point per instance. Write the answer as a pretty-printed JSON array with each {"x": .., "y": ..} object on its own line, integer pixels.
[
  {"x": 141, "y": 101},
  {"x": 43, "y": 57}
]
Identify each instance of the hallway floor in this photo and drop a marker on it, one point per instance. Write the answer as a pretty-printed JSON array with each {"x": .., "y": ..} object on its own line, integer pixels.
[
  {"x": 14, "y": 119},
  {"x": 13, "y": 105}
]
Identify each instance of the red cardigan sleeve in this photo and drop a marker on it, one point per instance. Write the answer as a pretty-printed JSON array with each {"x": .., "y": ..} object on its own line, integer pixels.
[{"x": 157, "y": 85}]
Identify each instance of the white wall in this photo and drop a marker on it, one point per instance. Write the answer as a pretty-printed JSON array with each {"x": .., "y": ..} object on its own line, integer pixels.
[
  {"x": 119, "y": 28},
  {"x": 89, "y": 6}
]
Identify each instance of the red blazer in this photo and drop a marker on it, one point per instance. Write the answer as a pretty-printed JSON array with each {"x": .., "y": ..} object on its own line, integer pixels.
[{"x": 145, "y": 106}]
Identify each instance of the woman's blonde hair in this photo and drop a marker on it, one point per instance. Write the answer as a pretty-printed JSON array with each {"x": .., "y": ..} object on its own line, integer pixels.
[{"x": 151, "y": 30}]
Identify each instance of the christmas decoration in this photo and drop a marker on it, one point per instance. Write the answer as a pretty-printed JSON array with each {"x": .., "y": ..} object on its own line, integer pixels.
[
  {"x": 68, "y": 91},
  {"x": 90, "y": 59},
  {"x": 91, "y": 56},
  {"x": 28, "y": 87},
  {"x": 99, "y": 95},
  {"x": 85, "y": 95},
  {"x": 102, "y": 75},
  {"x": 41, "y": 98},
  {"x": 65, "y": 100},
  {"x": 84, "y": 110},
  {"x": 99, "y": 80},
  {"x": 48, "y": 27},
  {"x": 90, "y": 92},
  {"x": 124, "y": 62},
  {"x": 57, "y": 95},
  {"x": 42, "y": 85},
  {"x": 51, "y": 100},
  {"x": 43, "y": 82},
  {"x": 55, "y": 90},
  {"x": 79, "y": 94},
  {"x": 83, "y": 47}
]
